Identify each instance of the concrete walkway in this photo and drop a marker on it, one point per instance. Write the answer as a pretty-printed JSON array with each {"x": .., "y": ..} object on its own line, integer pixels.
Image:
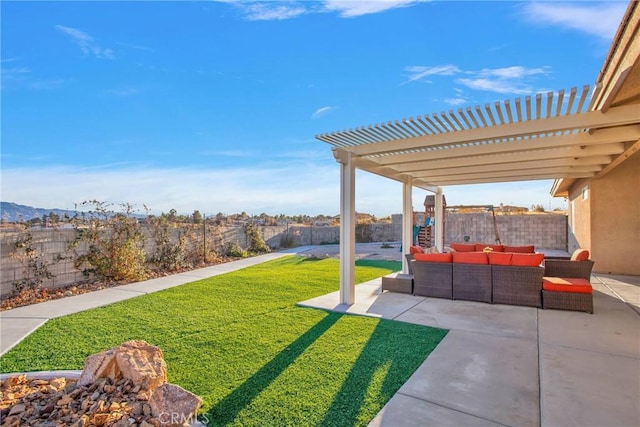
[
  {"x": 516, "y": 366},
  {"x": 498, "y": 365}
]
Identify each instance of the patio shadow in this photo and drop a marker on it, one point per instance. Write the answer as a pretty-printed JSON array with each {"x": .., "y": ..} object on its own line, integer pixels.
[
  {"x": 348, "y": 404},
  {"x": 228, "y": 408}
]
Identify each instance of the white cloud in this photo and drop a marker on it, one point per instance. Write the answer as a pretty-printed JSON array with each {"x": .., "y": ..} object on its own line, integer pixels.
[
  {"x": 456, "y": 101},
  {"x": 352, "y": 8},
  {"x": 515, "y": 79},
  {"x": 600, "y": 20},
  {"x": 266, "y": 11},
  {"x": 281, "y": 10},
  {"x": 86, "y": 43},
  {"x": 497, "y": 86},
  {"x": 514, "y": 72},
  {"x": 323, "y": 111},
  {"x": 418, "y": 72}
]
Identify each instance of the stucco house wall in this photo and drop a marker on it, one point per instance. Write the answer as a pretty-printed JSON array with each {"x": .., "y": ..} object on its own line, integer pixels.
[
  {"x": 579, "y": 227},
  {"x": 615, "y": 219}
]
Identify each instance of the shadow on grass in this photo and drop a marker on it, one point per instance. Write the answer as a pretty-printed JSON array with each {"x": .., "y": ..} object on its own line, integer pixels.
[
  {"x": 229, "y": 407},
  {"x": 358, "y": 400}
]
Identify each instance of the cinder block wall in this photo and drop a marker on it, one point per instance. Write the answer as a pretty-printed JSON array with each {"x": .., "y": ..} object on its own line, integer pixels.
[
  {"x": 543, "y": 231},
  {"x": 548, "y": 231}
]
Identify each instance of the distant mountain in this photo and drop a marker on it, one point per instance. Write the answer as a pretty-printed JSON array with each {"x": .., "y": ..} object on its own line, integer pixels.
[{"x": 13, "y": 212}]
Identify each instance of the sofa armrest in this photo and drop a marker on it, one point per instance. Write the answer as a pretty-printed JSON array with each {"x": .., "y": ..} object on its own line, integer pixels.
[
  {"x": 567, "y": 268},
  {"x": 410, "y": 258}
]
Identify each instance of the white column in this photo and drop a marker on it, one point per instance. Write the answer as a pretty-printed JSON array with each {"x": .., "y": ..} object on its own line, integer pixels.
[
  {"x": 347, "y": 226},
  {"x": 439, "y": 217},
  {"x": 407, "y": 221}
]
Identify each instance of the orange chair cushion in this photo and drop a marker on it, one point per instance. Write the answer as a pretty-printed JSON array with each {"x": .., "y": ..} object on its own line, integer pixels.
[
  {"x": 563, "y": 284},
  {"x": 496, "y": 248},
  {"x": 520, "y": 249},
  {"x": 470, "y": 258},
  {"x": 580, "y": 255},
  {"x": 500, "y": 258},
  {"x": 463, "y": 247},
  {"x": 416, "y": 249},
  {"x": 433, "y": 257},
  {"x": 527, "y": 260}
]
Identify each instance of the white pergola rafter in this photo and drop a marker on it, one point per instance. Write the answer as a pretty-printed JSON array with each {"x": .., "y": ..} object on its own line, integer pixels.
[
  {"x": 549, "y": 136},
  {"x": 557, "y": 135}
]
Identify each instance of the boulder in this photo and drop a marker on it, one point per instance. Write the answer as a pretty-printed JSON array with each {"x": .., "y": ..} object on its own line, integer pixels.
[
  {"x": 174, "y": 406},
  {"x": 137, "y": 360}
]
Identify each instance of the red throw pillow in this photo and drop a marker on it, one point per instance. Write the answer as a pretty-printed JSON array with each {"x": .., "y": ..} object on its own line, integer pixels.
[
  {"x": 463, "y": 247},
  {"x": 495, "y": 248},
  {"x": 470, "y": 258},
  {"x": 433, "y": 257},
  {"x": 527, "y": 260},
  {"x": 416, "y": 249},
  {"x": 580, "y": 255},
  {"x": 520, "y": 249},
  {"x": 500, "y": 258}
]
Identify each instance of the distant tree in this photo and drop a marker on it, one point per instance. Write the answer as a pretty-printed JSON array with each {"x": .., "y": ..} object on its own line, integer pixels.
[
  {"x": 537, "y": 208},
  {"x": 54, "y": 217},
  {"x": 197, "y": 217}
]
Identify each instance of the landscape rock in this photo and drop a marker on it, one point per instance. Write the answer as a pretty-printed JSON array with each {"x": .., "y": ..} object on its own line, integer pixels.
[
  {"x": 123, "y": 386},
  {"x": 137, "y": 360},
  {"x": 174, "y": 406}
]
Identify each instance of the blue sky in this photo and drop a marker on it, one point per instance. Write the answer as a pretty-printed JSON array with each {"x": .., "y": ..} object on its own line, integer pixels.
[{"x": 214, "y": 105}]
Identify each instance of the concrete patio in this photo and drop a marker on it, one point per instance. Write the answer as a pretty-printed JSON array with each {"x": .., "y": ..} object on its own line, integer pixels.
[{"x": 516, "y": 366}]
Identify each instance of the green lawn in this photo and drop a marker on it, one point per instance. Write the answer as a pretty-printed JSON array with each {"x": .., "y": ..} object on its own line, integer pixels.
[{"x": 239, "y": 341}]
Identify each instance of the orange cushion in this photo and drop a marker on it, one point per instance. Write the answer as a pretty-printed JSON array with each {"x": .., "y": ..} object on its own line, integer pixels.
[
  {"x": 433, "y": 257},
  {"x": 463, "y": 247},
  {"x": 470, "y": 257},
  {"x": 580, "y": 255},
  {"x": 563, "y": 284},
  {"x": 527, "y": 260},
  {"x": 416, "y": 249},
  {"x": 496, "y": 248},
  {"x": 520, "y": 249},
  {"x": 500, "y": 258}
]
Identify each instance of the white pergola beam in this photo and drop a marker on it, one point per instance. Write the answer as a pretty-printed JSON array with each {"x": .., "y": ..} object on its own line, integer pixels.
[
  {"x": 536, "y": 164},
  {"x": 489, "y": 180},
  {"x": 483, "y": 163},
  {"x": 558, "y": 171},
  {"x": 582, "y": 139}
]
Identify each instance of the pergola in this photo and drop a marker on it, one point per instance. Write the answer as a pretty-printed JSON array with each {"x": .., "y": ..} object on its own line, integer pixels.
[{"x": 562, "y": 135}]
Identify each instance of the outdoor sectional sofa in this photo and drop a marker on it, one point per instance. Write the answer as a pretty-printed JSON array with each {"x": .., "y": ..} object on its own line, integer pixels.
[
  {"x": 515, "y": 278},
  {"x": 493, "y": 277}
]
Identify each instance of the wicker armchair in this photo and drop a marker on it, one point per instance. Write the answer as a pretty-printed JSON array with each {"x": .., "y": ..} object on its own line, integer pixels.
[
  {"x": 566, "y": 268},
  {"x": 515, "y": 285},
  {"x": 432, "y": 279},
  {"x": 472, "y": 282},
  {"x": 568, "y": 300}
]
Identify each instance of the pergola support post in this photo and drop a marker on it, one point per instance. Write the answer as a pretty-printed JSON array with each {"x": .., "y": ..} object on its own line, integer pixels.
[
  {"x": 407, "y": 221},
  {"x": 439, "y": 218},
  {"x": 347, "y": 226}
]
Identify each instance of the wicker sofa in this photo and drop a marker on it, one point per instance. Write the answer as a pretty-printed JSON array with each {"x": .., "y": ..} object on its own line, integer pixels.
[{"x": 479, "y": 276}]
